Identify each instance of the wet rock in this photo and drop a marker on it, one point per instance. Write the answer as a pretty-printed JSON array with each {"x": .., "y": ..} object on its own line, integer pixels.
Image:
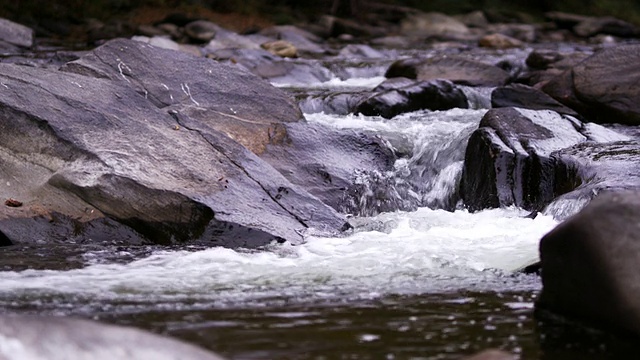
[
  {"x": 491, "y": 354},
  {"x": 499, "y": 41},
  {"x": 122, "y": 134},
  {"x": 326, "y": 161},
  {"x": 395, "y": 100},
  {"x": 523, "y": 96},
  {"x": 13, "y": 34},
  {"x": 227, "y": 39},
  {"x": 201, "y": 30},
  {"x": 457, "y": 70},
  {"x": 433, "y": 24},
  {"x": 281, "y": 48},
  {"x": 587, "y": 169},
  {"x": 603, "y": 88},
  {"x": 162, "y": 42},
  {"x": 47, "y": 337},
  {"x": 590, "y": 265},
  {"x": 359, "y": 51},
  {"x": 508, "y": 158}
]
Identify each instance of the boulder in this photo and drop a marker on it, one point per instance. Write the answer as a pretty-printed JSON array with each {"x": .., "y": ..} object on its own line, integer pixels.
[
  {"x": 432, "y": 95},
  {"x": 523, "y": 96},
  {"x": 57, "y": 338},
  {"x": 457, "y": 70},
  {"x": 509, "y": 161},
  {"x": 122, "y": 135},
  {"x": 590, "y": 265},
  {"x": 327, "y": 161},
  {"x": 603, "y": 87},
  {"x": 546, "y": 65},
  {"x": 13, "y": 34}
]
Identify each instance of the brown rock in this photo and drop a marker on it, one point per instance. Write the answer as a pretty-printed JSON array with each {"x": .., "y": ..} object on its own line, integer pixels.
[
  {"x": 499, "y": 41},
  {"x": 281, "y": 48}
]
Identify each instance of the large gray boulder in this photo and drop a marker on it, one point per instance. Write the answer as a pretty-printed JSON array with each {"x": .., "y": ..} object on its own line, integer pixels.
[
  {"x": 54, "y": 338},
  {"x": 124, "y": 137},
  {"x": 512, "y": 158},
  {"x": 603, "y": 87},
  {"x": 590, "y": 265}
]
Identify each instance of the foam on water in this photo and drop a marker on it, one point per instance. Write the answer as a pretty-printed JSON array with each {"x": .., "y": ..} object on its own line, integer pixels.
[
  {"x": 430, "y": 145},
  {"x": 426, "y": 251}
]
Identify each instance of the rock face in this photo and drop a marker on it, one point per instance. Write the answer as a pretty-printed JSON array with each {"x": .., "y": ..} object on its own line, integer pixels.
[
  {"x": 603, "y": 87},
  {"x": 124, "y": 136},
  {"x": 590, "y": 264},
  {"x": 30, "y": 337},
  {"x": 457, "y": 70},
  {"x": 510, "y": 158}
]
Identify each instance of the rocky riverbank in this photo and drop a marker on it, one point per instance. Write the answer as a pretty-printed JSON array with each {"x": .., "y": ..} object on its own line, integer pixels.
[{"x": 175, "y": 134}]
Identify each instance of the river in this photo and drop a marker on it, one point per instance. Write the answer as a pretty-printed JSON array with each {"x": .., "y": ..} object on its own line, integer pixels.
[{"x": 417, "y": 283}]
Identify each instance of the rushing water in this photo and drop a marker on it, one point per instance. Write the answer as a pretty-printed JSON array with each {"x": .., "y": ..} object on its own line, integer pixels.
[{"x": 420, "y": 282}]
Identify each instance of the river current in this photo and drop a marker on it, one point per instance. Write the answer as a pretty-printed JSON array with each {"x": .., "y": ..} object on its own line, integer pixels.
[{"x": 418, "y": 283}]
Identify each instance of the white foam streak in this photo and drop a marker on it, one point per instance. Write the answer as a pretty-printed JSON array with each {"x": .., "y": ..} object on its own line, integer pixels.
[{"x": 337, "y": 83}]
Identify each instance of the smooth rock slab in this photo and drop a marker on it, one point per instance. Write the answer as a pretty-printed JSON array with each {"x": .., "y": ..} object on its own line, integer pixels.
[
  {"x": 136, "y": 141},
  {"x": 15, "y": 34},
  {"x": 55, "y": 338}
]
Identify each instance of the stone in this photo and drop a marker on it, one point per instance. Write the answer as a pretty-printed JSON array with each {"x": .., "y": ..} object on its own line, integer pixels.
[
  {"x": 457, "y": 70},
  {"x": 606, "y": 25},
  {"x": 201, "y": 31},
  {"x": 48, "y": 337},
  {"x": 122, "y": 136},
  {"x": 431, "y": 95},
  {"x": 16, "y": 34},
  {"x": 590, "y": 265},
  {"x": 523, "y": 96},
  {"x": 281, "y": 48},
  {"x": 499, "y": 41},
  {"x": 603, "y": 87},
  {"x": 508, "y": 158}
]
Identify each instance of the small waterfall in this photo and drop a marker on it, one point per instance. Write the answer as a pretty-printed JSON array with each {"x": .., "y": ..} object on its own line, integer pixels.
[{"x": 430, "y": 147}]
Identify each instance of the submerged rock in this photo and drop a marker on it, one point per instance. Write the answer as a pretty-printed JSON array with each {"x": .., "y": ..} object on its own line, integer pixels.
[
  {"x": 590, "y": 265},
  {"x": 46, "y": 337},
  {"x": 122, "y": 135}
]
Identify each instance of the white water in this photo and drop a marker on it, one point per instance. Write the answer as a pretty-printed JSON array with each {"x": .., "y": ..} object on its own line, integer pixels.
[
  {"x": 426, "y": 251},
  {"x": 417, "y": 252}
]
